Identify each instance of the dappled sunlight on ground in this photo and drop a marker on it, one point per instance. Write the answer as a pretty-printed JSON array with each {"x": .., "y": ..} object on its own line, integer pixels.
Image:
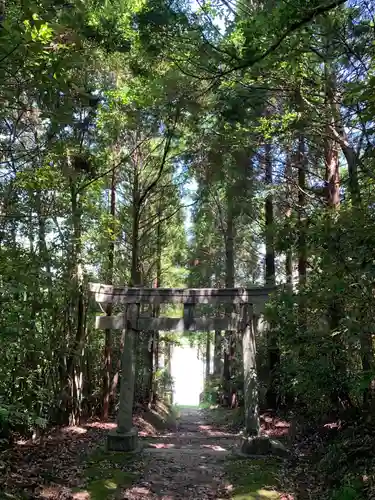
[
  {"x": 146, "y": 429},
  {"x": 214, "y": 447},
  {"x": 22, "y": 442},
  {"x": 49, "y": 492},
  {"x": 81, "y": 495},
  {"x": 273, "y": 426},
  {"x": 52, "y": 467},
  {"x": 208, "y": 430},
  {"x": 190, "y": 463},
  {"x": 229, "y": 420},
  {"x": 138, "y": 492},
  {"x": 161, "y": 445},
  {"x": 101, "y": 425},
  {"x": 74, "y": 430}
]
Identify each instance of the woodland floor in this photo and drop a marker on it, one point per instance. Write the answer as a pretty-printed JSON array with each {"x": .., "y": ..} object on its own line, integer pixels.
[{"x": 194, "y": 460}]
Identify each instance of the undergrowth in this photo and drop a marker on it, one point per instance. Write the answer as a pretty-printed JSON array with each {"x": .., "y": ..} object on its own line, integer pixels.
[{"x": 339, "y": 465}]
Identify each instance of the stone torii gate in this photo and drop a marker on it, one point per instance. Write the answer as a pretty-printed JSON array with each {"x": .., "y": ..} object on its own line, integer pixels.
[{"x": 248, "y": 301}]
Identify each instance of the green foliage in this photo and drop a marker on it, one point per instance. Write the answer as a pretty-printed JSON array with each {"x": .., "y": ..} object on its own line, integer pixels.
[
  {"x": 212, "y": 391},
  {"x": 347, "y": 492},
  {"x": 73, "y": 112},
  {"x": 320, "y": 358},
  {"x": 14, "y": 418},
  {"x": 164, "y": 380}
]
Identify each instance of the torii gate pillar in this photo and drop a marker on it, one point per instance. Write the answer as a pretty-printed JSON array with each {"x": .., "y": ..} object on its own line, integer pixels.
[{"x": 125, "y": 436}]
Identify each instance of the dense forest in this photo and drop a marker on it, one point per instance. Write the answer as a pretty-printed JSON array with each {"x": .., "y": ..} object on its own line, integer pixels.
[{"x": 223, "y": 143}]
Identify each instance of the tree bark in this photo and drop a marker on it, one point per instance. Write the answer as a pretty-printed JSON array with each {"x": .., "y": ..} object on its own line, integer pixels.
[
  {"x": 351, "y": 156},
  {"x": 270, "y": 248},
  {"x": 288, "y": 214},
  {"x": 273, "y": 343},
  {"x": 208, "y": 355},
  {"x": 340, "y": 393},
  {"x": 74, "y": 369},
  {"x": 156, "y": 309},
  {"x": 108, "y": 334},
  {"x": 302, "y": 250},
  {"x": 229, "y": 283},
  {"x": 331, "y": 154},
  {"x": 217, "y": 354},
  {"x": 367, "y": 358}
]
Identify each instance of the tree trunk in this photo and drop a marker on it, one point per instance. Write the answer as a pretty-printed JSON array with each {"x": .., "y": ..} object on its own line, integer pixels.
[
  {"x": 331, "y": 154},
  {"x": 148, "y": 367},
  {"x": 350, "y": 154},
  {"x": 288, "y": 214},
  {"x": 340, "y": 394},
  {"x": 44, "y": 254},
  {"x": 270, "y": 249},
  {"x": 332, "y": 175},
  {"x": 302, "y": 250},
  {"x": 217, "y": 353},
  {"x": 273, "y": 344},
  {"x": 135, "y": 275},
  {"x": 108, "y": 334},
  {"x": 156, "y": 311},
  {"x": 74, "y": 368},
  {"x": 208, "y": 355},
  {"x": 168, "y": 368},
  {"x": 367, "y": 358},
  {"x": 229, "y": 283},
  {"x": 337, "y": 130}
]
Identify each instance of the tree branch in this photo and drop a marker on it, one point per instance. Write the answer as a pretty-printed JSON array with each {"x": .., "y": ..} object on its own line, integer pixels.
[
  {"x": 163, "y": 161},
  {"x": 96, "y": 178},
  {"x": 292, "y": 28}
]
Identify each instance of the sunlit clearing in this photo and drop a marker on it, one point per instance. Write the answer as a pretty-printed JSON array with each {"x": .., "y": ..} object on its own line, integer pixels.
[{"x": 187, "y": 371}]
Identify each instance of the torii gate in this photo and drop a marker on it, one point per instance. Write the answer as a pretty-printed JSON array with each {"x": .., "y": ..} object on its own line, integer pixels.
[{"x": 250, "y": 303}]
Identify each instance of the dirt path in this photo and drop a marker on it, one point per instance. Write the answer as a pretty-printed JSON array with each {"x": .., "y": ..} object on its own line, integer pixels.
[
  {"x": 186, "y": 464},
  {"x": 195, "y": 462}
]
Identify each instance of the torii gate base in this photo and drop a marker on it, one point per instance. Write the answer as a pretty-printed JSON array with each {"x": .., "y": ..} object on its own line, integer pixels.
[
  {"x": 248, "y": 300},
  {"x": 126, "y": 441}
]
